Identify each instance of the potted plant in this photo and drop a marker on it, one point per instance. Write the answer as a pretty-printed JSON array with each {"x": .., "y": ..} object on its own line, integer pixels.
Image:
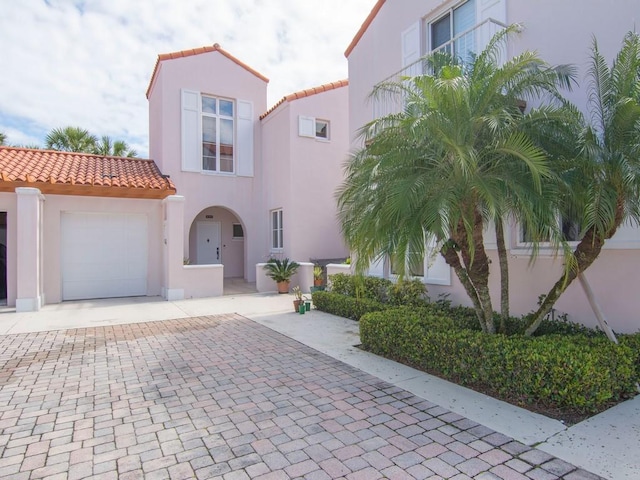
[
  {"x": 298, "y": 300},
  {"x": 318, "y": 276},
  {"x": 281, "y": 272}
]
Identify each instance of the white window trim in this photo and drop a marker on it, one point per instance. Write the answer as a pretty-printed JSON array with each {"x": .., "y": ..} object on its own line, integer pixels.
[
  {"x": 218, "y": 117},
  {"x": 432, "y": 255},
  {"x": 307, "y": 127},
  {"x": 429, "y": 20},
  {"x": 328, "y": 124},
  {"x": 233, "y": 237},
  {"x": 273, "y": 228}
]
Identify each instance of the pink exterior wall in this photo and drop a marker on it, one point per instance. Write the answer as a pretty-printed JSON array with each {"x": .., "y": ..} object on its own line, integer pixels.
[
  {"x": 277, "y": 176},
  {"x": 378, "y": 55},
  {"x": 561, "y": 33},
  {"x": 55, "y": 205},
  {"x": 303, "y": 174},
  {"x": 210, "y": 73},
  {"x": 316, "y": 173}
]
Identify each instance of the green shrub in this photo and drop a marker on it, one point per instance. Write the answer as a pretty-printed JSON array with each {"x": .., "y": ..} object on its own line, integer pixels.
[
  {"x": 633, "y": 342},
  {"x": 578, "y": 372},
  {"x": 408, "y": 292},
  {"x": 344, "y": 305},
  {"x": 371, "y": 288},
  {"x": 343, "y": 284}
]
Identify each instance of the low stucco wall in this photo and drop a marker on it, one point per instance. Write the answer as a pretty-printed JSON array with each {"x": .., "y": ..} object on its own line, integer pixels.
[
  {"x": 203, "y": 281},
  {"x": 303, "y": 278},
  {"x": 334, "y": 268}
]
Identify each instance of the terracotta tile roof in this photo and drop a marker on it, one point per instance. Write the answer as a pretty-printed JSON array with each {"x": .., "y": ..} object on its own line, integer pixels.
[
  {"x": 363, "y": 28},
  {"x": 197, "y": 51},
  {"x": 306, "y": 93},
  {"x": 67, "y": 173}
]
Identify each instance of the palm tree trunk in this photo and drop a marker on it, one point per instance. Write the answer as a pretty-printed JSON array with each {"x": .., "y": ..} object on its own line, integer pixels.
[
  {"x": 452, "y": 259},
  {"x": 602, "y": 321},
  {"x": 504, "y": 276},
  {"x": 585, "y": 254},
  {"x": 476, "y": 264}
]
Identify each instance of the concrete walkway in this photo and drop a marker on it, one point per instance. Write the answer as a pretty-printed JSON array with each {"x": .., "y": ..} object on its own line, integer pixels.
[{"x": 605, "y": 445}]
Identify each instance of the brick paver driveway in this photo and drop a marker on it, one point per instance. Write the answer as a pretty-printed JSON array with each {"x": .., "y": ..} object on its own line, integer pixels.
[{"x": 223, "y": 397}]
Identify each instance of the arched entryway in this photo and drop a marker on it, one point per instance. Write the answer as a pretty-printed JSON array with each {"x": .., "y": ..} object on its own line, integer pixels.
[{"x": 217, "y": 236}]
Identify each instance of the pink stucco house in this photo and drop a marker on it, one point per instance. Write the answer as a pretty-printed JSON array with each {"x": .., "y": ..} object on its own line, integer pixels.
[
  {"x": 256, "y": 182},
  {"x": 398, "y": 32},
  {"x": 230, "y": 184}
]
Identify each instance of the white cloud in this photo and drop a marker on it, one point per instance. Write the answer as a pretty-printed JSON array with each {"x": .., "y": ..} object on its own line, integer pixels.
[{"x": 88, "y": 63}]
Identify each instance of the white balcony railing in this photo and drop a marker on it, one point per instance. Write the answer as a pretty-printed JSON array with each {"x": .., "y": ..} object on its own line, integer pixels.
[{"x": 463, "y": 46}]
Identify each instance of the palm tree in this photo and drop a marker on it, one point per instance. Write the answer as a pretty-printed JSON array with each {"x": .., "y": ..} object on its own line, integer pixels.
[
  {"x": 607, "y": 182},
  {"x": 70, "y": 139},
  {"x": 456, "y": 157},
  {"x": 110, "y": 148}
]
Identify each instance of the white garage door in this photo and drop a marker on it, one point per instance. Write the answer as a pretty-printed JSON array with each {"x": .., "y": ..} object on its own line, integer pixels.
[{"x": 103, "y": 255}]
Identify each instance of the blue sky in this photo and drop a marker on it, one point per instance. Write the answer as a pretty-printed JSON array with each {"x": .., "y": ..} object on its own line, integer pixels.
[{"x": 88, "y": 63}]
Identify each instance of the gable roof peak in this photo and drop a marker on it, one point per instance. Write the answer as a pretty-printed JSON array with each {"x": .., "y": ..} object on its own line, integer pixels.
[
  {"x": 197, "y": 51},
  {"x": 363, "y": 28}
]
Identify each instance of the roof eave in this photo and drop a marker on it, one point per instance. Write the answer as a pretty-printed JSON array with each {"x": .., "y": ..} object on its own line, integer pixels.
[{"x": 363, "y": 28}]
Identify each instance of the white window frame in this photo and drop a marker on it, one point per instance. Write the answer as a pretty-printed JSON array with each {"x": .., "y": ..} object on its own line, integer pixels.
[
  {"x": 276, "y": 230},
  {"x": 522, "y": 244},
  {"x": 218, "y": 117},
  {"x": 434, "y": 267},
  {"x": 233, "y": 235},
  {"x": 308, "y": 127},
  {"x": 328, "y": 131},
  {"x": 430, "y": 21}
]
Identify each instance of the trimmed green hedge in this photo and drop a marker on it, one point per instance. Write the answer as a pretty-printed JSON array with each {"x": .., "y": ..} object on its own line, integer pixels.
[
  {"x": 344, "y": 305},
  {"x": 572, "y": 371},
  {"x": 382, "y": 290},
  {"x": 633, "y": 342}
]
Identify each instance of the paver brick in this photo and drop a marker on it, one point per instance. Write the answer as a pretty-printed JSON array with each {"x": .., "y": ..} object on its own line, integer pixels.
[{"x": 223, "y": 397}]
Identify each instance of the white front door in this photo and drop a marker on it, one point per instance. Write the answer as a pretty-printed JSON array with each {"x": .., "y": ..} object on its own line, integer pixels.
[{"x": 208, "y": 241}]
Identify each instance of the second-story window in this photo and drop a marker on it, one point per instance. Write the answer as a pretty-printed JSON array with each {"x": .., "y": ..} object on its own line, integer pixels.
[
  {"x": 449, "y": 33},
  {"x": 313, "y": 128},
  {"x": 217, "y": 135}
]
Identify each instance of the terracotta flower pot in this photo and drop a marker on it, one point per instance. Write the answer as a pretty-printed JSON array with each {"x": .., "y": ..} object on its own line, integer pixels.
[
  {"x": 317, "y": 282},
  {"x": 296, "y": 305},
  {"x": 283, "y": 287}
]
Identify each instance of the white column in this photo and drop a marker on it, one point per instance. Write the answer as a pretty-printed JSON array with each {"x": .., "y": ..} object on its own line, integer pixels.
[
  {"x": 28, "y": 249},
  {"x": 173, "y": 226}
]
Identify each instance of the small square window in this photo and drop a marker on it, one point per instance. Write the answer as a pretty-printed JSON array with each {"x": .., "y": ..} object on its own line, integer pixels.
[
  {"x": 238, "y": 233},
  {"x": 322, "y": 129}
]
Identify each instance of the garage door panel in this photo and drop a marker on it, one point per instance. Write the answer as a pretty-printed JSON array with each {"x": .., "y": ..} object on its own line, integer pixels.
[{"x": 103, "y": 255}]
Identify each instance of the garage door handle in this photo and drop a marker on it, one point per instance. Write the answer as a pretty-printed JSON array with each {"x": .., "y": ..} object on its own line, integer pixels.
[{"x": 217, "y": 253}]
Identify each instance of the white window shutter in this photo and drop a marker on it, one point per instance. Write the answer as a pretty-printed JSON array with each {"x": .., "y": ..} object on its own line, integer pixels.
[
  {"x": 376, "y": 269},
  {"x": 437, "y": 271},
  {"x": 244, "y": 145},
  {"x": 411, "y": 47},
  {"x": 306, "y": 126},
  {"x": 496, "y": 9},
  {"x": 191, "y": 141}
]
